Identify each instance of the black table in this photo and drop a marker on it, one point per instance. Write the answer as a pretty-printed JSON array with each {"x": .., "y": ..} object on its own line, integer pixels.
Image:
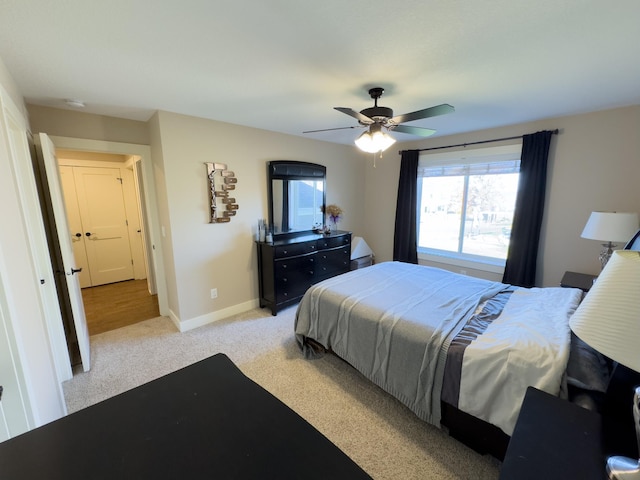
[
  {"x": 207, "y": 420},
  {"x": 555, "y": 439}
]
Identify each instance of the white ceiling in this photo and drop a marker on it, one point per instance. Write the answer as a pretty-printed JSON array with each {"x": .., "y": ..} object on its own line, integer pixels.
[{"x": 282, "y": 65}]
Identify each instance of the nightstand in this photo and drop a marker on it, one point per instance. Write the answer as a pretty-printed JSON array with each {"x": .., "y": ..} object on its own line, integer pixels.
[
  {"x": 583, "y": 281},
  {"x": 554, "y": 439}
]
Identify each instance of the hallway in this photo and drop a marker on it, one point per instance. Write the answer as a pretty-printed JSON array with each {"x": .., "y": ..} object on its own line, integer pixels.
[{"x": 116, "y": 305}]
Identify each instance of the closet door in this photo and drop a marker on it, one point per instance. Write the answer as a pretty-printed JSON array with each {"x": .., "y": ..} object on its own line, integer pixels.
[
  {"x": 104, "y": 221},
  {"x": 75, "y": 225}
]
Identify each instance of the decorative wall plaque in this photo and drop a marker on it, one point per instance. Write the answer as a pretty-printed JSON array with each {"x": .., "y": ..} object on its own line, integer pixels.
[{"x": 221, "y": 180}]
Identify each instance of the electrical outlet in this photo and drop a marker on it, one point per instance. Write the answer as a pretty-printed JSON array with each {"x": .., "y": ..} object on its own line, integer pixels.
[{"x": 214, "y": 293}]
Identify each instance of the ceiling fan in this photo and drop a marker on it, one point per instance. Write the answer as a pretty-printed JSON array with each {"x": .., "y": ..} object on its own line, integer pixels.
[{"x": 379, "y": 119}]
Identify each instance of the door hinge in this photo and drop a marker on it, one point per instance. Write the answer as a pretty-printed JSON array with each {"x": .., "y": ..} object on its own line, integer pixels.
[{"x": 120, "y": 180}]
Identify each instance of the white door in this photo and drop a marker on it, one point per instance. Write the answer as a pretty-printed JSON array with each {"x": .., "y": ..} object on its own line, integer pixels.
[
  {"x": 134, "y": 222},
  {"x": 75, "y": 225},
  {"x": 104, "y": 221},
  {"x": 66, "y": 248}
]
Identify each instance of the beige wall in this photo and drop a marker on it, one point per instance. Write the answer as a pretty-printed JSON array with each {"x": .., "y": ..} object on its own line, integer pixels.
[
  {"x": 594, "y": 164},
  {"x": 223, "y": 256},
  {"x": 56, "y": 121},
  {"x": 199, "y": 256}
]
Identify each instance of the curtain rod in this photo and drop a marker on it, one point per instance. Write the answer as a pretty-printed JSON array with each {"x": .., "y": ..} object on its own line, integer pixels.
[{"x": 555, "y": 132}]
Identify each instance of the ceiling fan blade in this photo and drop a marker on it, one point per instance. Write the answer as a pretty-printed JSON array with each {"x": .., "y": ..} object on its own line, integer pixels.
[
  {"x": 426, "y": 113},
  {"x": 329, "y": 129},
  {"x": 357, "y": 115},
  {"x": 422, "y": 132}
]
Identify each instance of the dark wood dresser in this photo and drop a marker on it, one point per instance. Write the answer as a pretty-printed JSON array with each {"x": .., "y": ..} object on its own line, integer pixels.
[{"x": 289, "y": 266}]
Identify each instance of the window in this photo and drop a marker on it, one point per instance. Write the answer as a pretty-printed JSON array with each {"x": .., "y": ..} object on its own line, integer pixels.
[{"x": 466, "y": 201}]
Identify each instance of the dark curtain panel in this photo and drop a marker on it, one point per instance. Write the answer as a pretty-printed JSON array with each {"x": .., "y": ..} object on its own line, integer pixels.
[
  {"x": 405, "y": 248},
  {"x": 522, "y": 258}
]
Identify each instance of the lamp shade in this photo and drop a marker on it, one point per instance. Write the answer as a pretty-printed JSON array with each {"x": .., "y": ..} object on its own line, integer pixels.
[
  {"x": 360, "y": 248},
  {"x": 610, "y": 226},
  {"x": 608, "y": 319}
]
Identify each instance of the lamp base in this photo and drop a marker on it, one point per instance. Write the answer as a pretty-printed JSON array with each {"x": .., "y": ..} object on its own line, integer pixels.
[
  {"x": 623, "y": 468},
  {"x": 605, "y": 254}
]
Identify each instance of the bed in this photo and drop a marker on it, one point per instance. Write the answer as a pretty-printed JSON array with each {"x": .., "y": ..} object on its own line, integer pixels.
[{"x": 458, "y": 351}]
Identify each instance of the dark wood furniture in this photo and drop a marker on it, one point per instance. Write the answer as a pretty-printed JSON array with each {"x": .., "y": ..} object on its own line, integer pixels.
[
  {"x": 556, "y": 439},
  {"x": 583, "y": 281},
  {"x": 290, "y": 265},
  {"x": 207, "y": 420},
  {"x": 481, "y": 436}
]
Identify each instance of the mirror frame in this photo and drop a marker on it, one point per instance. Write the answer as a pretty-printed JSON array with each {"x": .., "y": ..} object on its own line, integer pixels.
[{"x": 294, "y": 170}]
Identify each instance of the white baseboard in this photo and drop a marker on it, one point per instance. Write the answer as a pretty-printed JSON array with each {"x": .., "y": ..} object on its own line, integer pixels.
[{"x": 191, "y": 323}]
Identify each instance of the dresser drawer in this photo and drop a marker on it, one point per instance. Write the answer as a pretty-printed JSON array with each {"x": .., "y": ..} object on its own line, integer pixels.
[
  {"x": 290, "y": 265},
  {"x": 291, "y": 269},
  {"x": 291, "y": 291},
  {"x": 333, "y": 262},
  {"x": 294, "y": 276},
  {"x": 331, "y": 242},
  {"x": 295, "y": 249}
]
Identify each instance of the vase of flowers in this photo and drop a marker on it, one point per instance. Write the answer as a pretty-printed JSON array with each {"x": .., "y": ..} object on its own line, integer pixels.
[{"x": 333, "y": 213}]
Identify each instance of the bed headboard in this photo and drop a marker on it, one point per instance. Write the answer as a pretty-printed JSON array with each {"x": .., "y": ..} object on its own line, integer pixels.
[{"x": 634, "y": 243}]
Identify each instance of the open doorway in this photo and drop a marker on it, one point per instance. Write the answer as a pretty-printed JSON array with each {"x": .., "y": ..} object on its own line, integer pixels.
[
  {"x": 102, "y": 195},
  {"x": 114, "y": 294}
]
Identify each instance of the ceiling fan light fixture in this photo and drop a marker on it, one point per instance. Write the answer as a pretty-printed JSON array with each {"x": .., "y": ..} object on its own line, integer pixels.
[{"x": 375, "y": 140}]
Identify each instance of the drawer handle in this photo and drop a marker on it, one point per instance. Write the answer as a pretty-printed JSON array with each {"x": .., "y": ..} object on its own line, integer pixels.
[
  {"x": 284, "y": 266},
  {"x": 311, "y": 260},
  {"x": 285, "y": 251},
  {"x": 284, "y": 279}
]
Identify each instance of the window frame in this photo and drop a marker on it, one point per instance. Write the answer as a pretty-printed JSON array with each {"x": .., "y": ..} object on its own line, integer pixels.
[{"x": 504, "y": 153}]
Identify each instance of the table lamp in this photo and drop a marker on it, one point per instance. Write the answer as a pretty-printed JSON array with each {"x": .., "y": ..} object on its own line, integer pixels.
[
  {"x": 608, "y": 319},
  {"x": 610, "y": 227}
]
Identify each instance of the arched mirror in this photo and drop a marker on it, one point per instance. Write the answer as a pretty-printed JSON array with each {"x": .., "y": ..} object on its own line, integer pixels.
[{"x": 296, "y": 193}]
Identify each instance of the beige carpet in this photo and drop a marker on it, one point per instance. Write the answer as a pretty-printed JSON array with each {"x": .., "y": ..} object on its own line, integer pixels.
[{"x": 376, "y": 431}]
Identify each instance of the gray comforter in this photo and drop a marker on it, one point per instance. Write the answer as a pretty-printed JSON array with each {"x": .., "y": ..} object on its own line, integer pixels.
[{"x": 357, "y": 315}]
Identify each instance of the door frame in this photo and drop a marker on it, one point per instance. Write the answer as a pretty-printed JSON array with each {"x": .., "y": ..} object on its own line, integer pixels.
[
  {"x": 149, "y": 209},
  {"x": 34, "y": 355}
]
